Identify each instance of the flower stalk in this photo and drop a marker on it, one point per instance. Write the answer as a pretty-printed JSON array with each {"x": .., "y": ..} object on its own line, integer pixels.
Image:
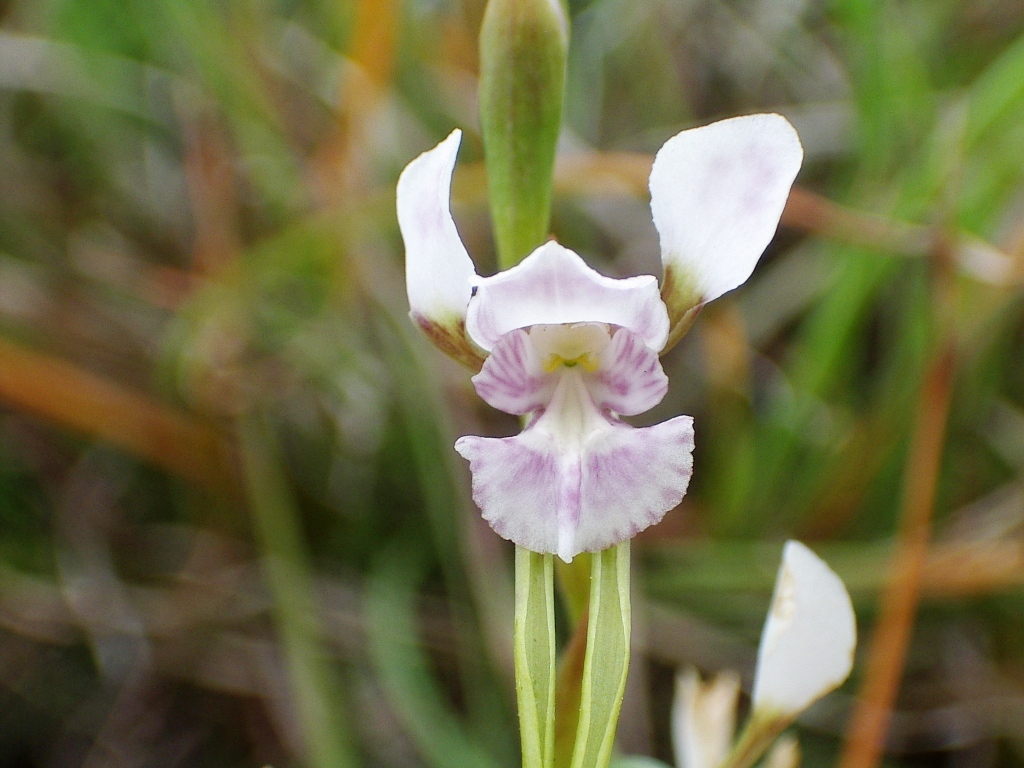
[
  {"x": 574, "y": 353},
  {"x": 607, "y": 659},
  {"x": 534, "y": 653}
]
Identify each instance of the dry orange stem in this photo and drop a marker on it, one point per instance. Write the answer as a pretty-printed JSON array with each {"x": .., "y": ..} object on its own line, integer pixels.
[
  {"x": 373, "y": 44},
  {"x": 89, "y": 404},
  {"x": 888, "y": 651},
  {"x": 212, "y": 189},
  {"x": 338, "y": 167}
]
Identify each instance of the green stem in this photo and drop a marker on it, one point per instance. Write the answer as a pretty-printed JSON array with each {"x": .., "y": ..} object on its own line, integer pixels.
[
  {"x": 758, "y": 735},
  {"x": 573, "y": 581},
  {"x": 607, "y": 659},
  {"x": 534, "y": 651},
  {"x": 278, "y": 532}
]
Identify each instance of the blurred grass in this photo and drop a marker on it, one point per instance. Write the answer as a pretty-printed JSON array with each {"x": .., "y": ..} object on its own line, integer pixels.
[{"x": 197, "y": 223}]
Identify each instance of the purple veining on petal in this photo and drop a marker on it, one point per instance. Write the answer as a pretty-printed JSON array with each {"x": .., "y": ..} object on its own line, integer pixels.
[
  {"x": 621, "y": 482},
  {"x": 512, "y": 379},
  {"x": 516, "y": 486},
  {"x": 630, "y": 379},
  {"x": 554, "y": 286},
  {"x": 631, "y": 478}
]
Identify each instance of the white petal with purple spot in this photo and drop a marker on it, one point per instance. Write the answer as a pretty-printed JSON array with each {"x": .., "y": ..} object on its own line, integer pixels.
[{"x": 717, "y": 193}]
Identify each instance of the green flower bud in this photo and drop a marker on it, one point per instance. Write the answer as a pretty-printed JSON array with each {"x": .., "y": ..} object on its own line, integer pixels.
[{"x": 523, "y": 48}]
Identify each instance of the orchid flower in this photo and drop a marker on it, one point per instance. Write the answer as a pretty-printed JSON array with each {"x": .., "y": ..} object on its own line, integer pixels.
[
  {"x": 806, "y": 651},
  {"x": 573, "y": 351}
]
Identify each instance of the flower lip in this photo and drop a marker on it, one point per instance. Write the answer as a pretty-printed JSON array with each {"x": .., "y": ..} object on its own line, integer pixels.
[
  {"x": 577, "y": 478},
  {"x": 554, "y": 286},
  {"x": 617, "y": 482}
]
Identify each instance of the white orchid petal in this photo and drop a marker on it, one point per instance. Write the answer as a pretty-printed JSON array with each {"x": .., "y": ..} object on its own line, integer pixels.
[
  {"x": 513, "y": 379},
  {"x": 631, "y": 478},
  {"x": 717, "y": 193},
  {"x": 552, "y": 286},
  {"x": 630, "y": 379},
  {"x": 809, "y": 637},
  {"x": 704, "y": 718},
  {"x": 438, "y": 271},
  {"x": 547, "y": 498},
  {"x": 516, "y": 483}
]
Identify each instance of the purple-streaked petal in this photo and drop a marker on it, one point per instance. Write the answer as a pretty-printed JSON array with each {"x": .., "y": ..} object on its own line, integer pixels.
[
  {"x": 717, "y": 193},
  {"x": 516, "y": 482},
  {"x": 552, "y": 286},
  {"x": 630, "y": 379},
  {"x": 808, "y": 639},
  {"x": 631, "y": 478},
  {"x": 545, "y": 499},
  {"x": 512, "y": 379},
  {"x": 438, "y": 271}
]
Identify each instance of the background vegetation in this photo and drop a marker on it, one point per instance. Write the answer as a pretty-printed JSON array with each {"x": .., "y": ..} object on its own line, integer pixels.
[{"x": 227, "y": 488}]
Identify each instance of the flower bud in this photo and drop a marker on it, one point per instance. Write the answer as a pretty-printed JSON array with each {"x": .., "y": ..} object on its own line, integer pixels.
[{"x": 523, "y": 48}]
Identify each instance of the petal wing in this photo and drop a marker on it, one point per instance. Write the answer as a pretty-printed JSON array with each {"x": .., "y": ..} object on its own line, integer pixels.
[
  {"x": 630, "y": 379},
  {"x": 516, "y": 484},
  {"x": 438, "y": 270},
  {"x": 717, "y": 193},
  {"x": 808, "y": 639},
  {"x": 553, "y": 285},
  {"x": 512, "y": 379}
]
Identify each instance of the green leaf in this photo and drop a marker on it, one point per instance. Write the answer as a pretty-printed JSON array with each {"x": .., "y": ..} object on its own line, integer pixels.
[
  {"x": 404, "y": 669},
  {"x": 607, "y": 659},
  {"x": 287, "y": 570},
  {"x": 534, "y": 648}
]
